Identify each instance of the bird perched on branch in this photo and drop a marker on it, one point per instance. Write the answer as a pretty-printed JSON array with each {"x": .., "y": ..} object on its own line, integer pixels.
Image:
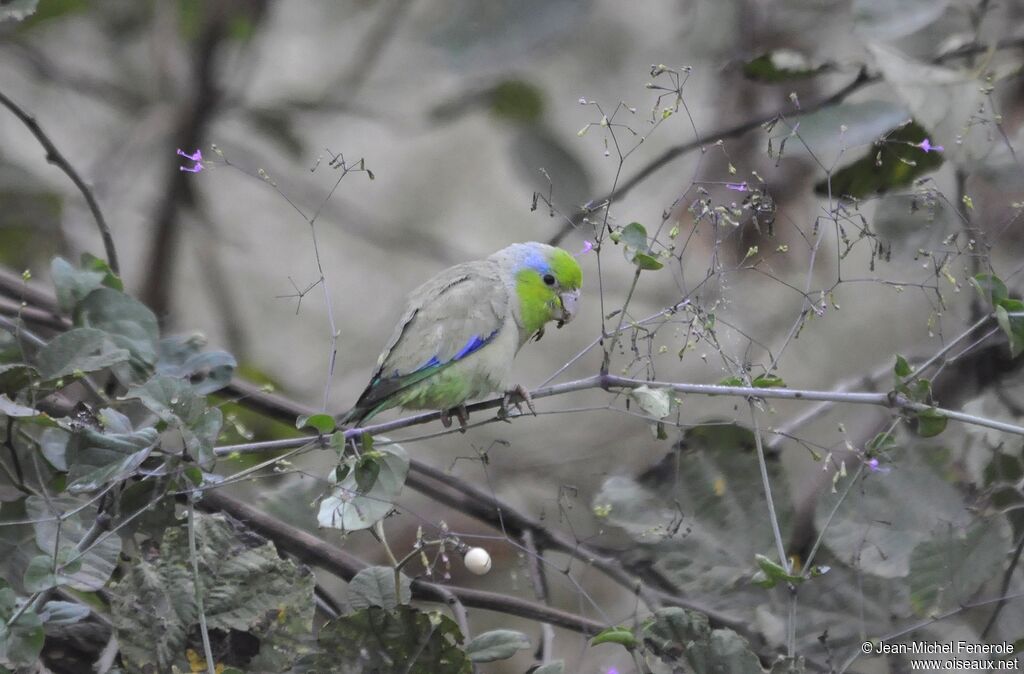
[{"x": 462, "y": 328}]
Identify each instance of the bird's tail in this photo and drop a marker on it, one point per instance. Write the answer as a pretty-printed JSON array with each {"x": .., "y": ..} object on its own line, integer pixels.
[{"x": 353, "y": 417}]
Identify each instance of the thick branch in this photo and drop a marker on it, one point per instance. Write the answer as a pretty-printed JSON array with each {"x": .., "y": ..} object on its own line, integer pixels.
[
  {"x": 317, "y": 552},
  {"x": 195, "y": 116}
]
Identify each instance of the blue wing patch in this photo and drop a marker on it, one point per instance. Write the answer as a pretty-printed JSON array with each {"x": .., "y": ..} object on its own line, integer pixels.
[
  {"x": 383, "y": 386},
  {"x": 474, "y": 344}
]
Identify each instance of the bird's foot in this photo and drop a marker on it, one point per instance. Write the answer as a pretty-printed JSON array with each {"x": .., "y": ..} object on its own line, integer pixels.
[
  {"x": 516, "y": 396},
  {"x": 461, "y": 413}
]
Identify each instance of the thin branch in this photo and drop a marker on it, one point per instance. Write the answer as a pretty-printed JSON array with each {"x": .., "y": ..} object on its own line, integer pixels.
[
  {"x": 773, "y": 518},
  {"x": 609, "y": 381},
  {"x": 677, "y": 151},
  {"x": 893, "y": 636},
  {"x": 1006, "y": 586},
  {"x": 540, "y": 590},
  {"x": 54, "y": 156},
  {"x": 197, "y": 582},
  {"x": 862, "y": 80}
]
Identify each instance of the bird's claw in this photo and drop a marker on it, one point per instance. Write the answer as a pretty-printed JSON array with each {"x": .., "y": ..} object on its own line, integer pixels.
[
  {"x": 516, "y": 396},
  {"x": 461, "y": 413}
]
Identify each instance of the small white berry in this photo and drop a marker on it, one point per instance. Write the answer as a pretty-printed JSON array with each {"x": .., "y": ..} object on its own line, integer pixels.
[{"x": 477, "y": 561}]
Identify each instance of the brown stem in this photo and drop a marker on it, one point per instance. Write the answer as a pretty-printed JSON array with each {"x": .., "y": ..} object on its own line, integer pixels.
[{"x": 54, "y": 156}]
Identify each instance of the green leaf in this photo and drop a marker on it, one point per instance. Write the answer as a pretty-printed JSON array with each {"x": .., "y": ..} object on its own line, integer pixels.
[
  {"x": 247, "y": 587},
  {"x": 424, "y": 643},
  {"x": 1010, "y": 317},
  {"x": 496, "y": 645},
  {"x": 680, "y": 636},
  {"x": 832, "y": 132},
  {"x": 171, "y": 399},
  {"x": 781, "y": 65},
  {"x": 912, "y": 502},
  {"x": 72, "y": 284},
  {"x": 182, "y": 357},
  {"x": 1001, "y": 476},
  {"x": 147, "y": 505},
  {"x": 774, "y": 572},
  {"x": 8, "y": 601},
  {"x": 116, "y": 456},
  {"x": 92, "y": 263},
  {"x": 553, "y": 667},
  {"x": 322, "y": 423},
  {"x": 516, "y": 101},
  {"x": 375, "y": 586},
  {"x": 991, "y": 288},
  {"x": 349, "y": 509},
  {"x": 768, "y": 381},
  {"x": 366, "y": 472},
  {"x": 15, "y": 376},
  {"x": 930, "y": 423},
  {"x": 615, "y": 635},
  {"x": 62, "y": 613},
  {"x": 895, "y": 162},
  {"x": 39, "y": 576},
  {"x": 920, "y": 390},
  {"x": 636, "y": 247},
  {"x": 902, "y": 368},
  {"x": 53, "y": 442},
  {"x": 22, "y": 641},
  {"x": 881, "y": 442},
  {"x": 92, "y": 569},
  {"x": 182, "y": 408},
  {"x": 656, "y": 402},
  {"x": 647, "y": 262},
  {"x": 129, "y": 323},
  {"x": 947, "y": 570},
  {"x": 79, "y": 350},
  {"x": 9, "y": 408},
  {"x": 634, "y": 235}
]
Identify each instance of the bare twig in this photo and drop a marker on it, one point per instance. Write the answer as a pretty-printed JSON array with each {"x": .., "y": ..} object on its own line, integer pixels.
[
  {"x": 197, "y": 582},
  {"x": 1006, "y": 586},
  {"x": 609, "y": 381},
  {"x": 540, "y": 590},
  {"x": 54, "y": 156},
  {"x": 862, "y": 80}
]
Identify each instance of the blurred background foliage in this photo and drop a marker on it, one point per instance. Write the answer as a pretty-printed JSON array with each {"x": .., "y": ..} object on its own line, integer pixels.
[{"x": 465, "y": 111}]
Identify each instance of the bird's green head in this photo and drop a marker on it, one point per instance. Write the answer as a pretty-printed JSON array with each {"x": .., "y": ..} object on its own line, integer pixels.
[{"x": 547, "y": 282}]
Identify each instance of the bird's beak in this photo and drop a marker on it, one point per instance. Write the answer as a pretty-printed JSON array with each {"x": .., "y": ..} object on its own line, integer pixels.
[{"x": 569, "y": 301}]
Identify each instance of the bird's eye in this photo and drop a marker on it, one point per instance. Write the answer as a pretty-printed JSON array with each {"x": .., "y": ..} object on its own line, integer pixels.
[{"x": 549, "y": 279}]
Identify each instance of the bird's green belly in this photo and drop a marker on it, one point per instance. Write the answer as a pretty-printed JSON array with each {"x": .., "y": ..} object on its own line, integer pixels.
[{"x": 449, "y": 388}]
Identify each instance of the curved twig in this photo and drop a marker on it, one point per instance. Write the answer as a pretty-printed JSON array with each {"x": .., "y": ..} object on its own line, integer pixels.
[{"x": 54, "y": 156}]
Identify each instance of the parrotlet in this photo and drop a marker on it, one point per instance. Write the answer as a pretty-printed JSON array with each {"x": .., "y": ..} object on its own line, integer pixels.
[{"x": 462, "y": 329}]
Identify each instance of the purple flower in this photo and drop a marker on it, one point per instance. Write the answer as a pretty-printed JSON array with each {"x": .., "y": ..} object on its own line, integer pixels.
[
  {"x": 612, "y": 670},
  {"x": 874, "y": 467},
  {"x": 587, "y": 247},
  {"x": 927, "y": 146},
  {"x": 739, "y": 187},
  {"x": 197, "y": 157}
]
